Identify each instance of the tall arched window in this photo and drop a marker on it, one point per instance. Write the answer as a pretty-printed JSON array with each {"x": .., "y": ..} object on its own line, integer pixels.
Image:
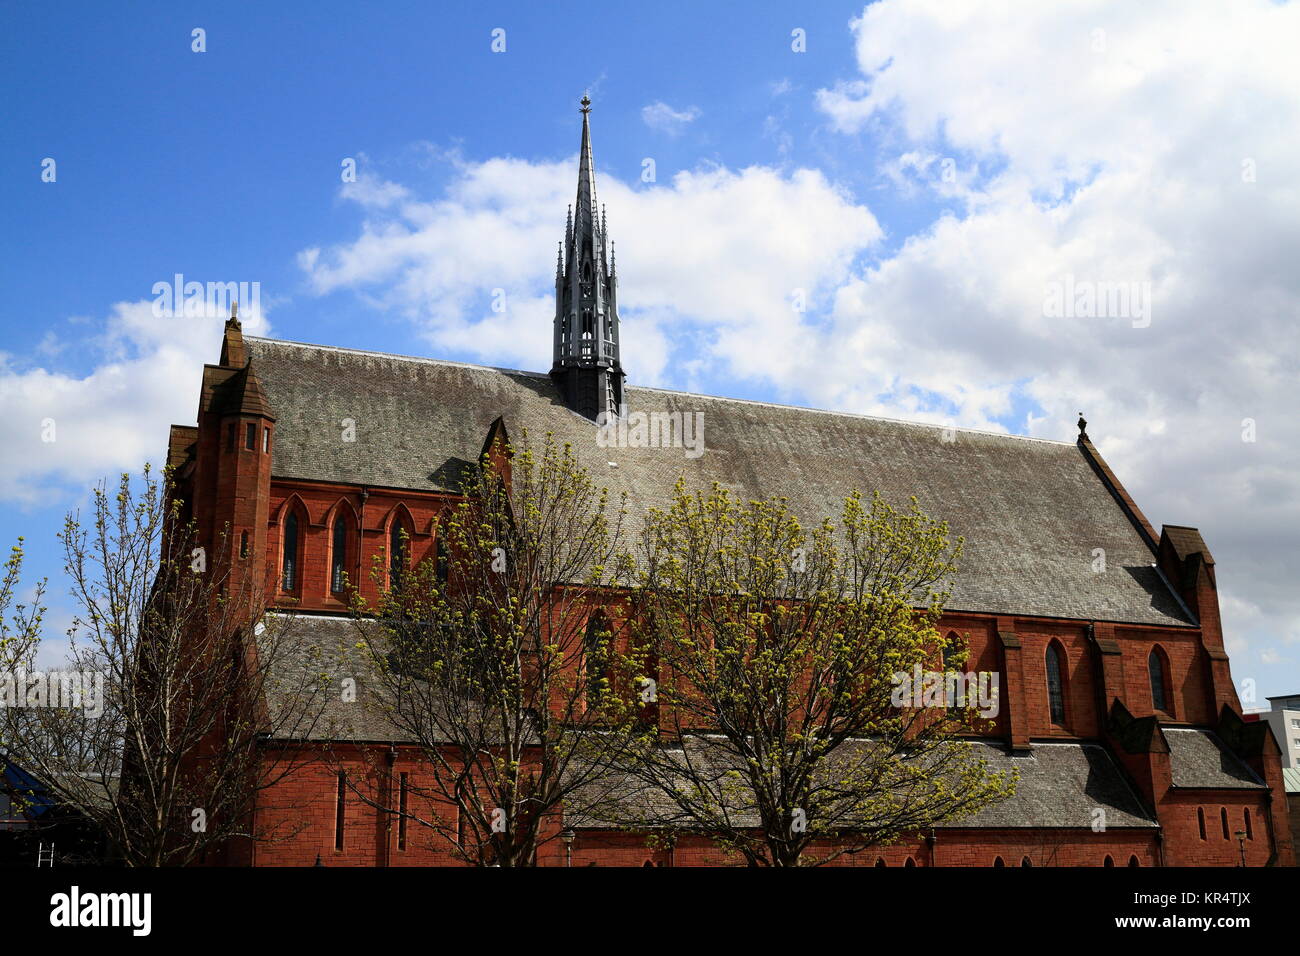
[
  {"x": 1160, "y": 698},
  {"x": 954, "y": 690},
  {"x": 289, "y": 567},
  {"x": 951, "y": 651},
  {"x": 1133, "y": 860},
  {"x": 1223, "y": 819},
  {"x": 1200, "y": 820},
  {"x": 442, "y": 559},
  {"x": 596, "y": 654},
  {"x": 1056, "y": 684},
  {"x": 399, "y": 543},
  {"x": 339, "y": 554},
  {"x": 1245, "y": 816},
  {"x": 1109, "y": 861}
]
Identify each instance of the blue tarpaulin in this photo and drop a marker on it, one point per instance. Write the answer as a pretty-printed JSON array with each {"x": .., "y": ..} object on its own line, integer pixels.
[{"x": 29, "y": 792}]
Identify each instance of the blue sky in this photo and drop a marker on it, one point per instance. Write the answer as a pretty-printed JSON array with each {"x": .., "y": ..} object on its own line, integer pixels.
[{"x": 921, "y": 172}]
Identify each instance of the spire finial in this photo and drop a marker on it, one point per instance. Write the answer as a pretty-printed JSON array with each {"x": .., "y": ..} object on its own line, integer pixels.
[
  {"x": 586, "y": 104},
  {"x": 234, "y": 315},
  {"x": 1083, "y": 426}
]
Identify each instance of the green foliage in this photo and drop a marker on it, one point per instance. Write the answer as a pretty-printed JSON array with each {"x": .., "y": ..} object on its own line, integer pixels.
[{"x": 777, "y": 649}]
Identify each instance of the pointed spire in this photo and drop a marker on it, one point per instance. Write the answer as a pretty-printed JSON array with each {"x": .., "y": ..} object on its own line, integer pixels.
[
  {"x": 585, "y": 218},
  {"x": 586, "y": 356}
]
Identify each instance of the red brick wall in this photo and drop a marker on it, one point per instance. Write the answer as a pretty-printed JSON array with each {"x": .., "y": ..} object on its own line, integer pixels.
[
  {"x": 316, "y": 506},
  {"x": 303, "y": 808},
  {"x": 1080, "y": 689},
  {"x": 1045, "y": 847},
  {"x": 1183, "y": 843},
  {"x": 1192, "y": 698}
]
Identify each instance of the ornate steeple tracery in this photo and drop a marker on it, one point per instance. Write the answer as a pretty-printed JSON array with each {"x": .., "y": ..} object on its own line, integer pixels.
[{"x": 586, "y": 354}]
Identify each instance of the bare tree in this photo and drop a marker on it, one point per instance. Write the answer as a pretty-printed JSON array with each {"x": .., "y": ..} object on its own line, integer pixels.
[
  {"x": 777, "y": 653},
  {"x": 495, "y": 659},
  {"x": 151, "y": 729}
]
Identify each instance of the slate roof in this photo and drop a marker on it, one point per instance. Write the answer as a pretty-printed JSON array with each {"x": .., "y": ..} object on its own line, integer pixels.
[
  {"x": 1031, "y": 511},
  {"x": 1198, "y": 759},
  {"x": 1061, "y": 785},
  {"x": 319, "y": 651},
  {"x": 304, "y": 689}
]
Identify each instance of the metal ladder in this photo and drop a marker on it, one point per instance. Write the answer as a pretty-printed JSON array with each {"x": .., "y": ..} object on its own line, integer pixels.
[{"x": 44, "y": 855}]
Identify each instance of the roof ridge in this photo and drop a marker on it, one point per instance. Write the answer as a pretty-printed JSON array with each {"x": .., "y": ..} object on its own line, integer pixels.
[
  {"x": 669, "y": 391},
  {"x": 395, "y": 355},
  {"x": 861, "y": 415}
]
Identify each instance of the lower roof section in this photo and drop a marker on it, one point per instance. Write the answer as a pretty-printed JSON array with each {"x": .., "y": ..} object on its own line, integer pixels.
[
  {"x": 1198, "y": 759},
  {"x": 1061, "y": 785}
]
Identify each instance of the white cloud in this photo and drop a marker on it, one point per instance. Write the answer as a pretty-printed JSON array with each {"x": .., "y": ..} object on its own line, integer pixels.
[
  {"x": 713, "y": 249},
  {"x": 1119, "y": 134},
  {"x": 662, "y": 117},
  {"x": 113, "y": 418}
]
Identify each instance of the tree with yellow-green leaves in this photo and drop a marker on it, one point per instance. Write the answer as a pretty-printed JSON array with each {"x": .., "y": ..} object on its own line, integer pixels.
[
  {"x": 149, "y": 728},
  {"x": 774, "y": 651},
  {"x": 495, "y": 659}
]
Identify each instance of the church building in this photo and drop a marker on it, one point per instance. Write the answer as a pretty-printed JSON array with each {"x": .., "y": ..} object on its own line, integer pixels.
[{"x": 1116, "y": 698}]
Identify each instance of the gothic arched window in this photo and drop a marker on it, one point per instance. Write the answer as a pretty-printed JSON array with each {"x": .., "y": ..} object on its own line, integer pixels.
[
  {"x": 596, "y": 652},
  {"x": 339, "y": 556},
  {"x": 1250, "y": 831},
  {"x": 289, "y": 566},
  {"x": 1160, "y": 698},
  {"x": 1223, "y": 819},
  {"x": 1133, "y": 860},
  {"x": 442, "y": 559},
  {"x": 1056, "y": 684},
  {"x": 1200, "y": 820},
  {"x": 951, "y": 651},
  {"x": 399, "y": 543},
  {"x": 997, "y": 861}
]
